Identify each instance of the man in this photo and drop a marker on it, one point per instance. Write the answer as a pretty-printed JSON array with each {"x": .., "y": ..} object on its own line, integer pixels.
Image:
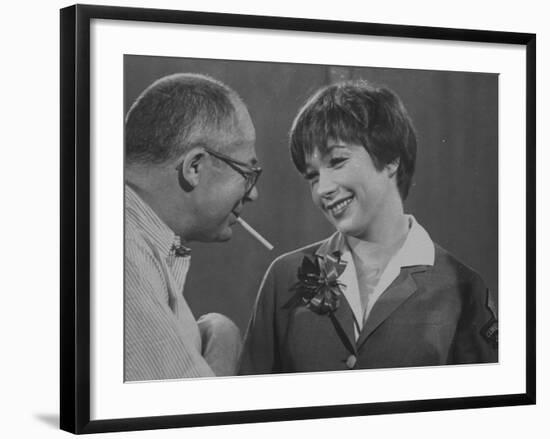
[{"x": 190, "y": 168}]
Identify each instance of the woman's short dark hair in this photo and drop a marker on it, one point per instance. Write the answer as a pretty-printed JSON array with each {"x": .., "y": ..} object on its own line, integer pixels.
[
  {"x": 358, "y": 113},
  {"x": 173, "y": 113}
]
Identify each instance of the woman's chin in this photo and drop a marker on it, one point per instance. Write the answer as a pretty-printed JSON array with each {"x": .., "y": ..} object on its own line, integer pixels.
[
  {"x": 349, "y": 227},
  {"x": 346, "y": 228}
]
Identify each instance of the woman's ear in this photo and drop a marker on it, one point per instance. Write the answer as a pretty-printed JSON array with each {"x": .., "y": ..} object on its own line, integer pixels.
[
  {"x": 392, "y": 167},
  {"x": 191, "y": 168}
]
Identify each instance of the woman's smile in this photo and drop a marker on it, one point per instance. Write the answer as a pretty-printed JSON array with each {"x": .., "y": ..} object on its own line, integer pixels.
[{"x": 338, "y": 207}]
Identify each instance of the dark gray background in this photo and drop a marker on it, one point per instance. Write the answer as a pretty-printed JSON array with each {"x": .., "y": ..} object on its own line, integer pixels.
[{"x": 455, "y": 188}]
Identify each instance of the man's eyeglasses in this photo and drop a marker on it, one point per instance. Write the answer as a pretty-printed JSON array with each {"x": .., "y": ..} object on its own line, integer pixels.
[{"x": 249, "y": 173}]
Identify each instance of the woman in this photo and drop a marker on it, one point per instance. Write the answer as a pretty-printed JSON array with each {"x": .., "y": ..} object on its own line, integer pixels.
[{"x": 378, "y": 293}]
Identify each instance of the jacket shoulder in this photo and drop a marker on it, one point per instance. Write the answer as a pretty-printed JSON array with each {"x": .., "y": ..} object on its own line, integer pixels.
[
  {"x": 449, "y": 266},
  {"x": 293, "y": 259}
]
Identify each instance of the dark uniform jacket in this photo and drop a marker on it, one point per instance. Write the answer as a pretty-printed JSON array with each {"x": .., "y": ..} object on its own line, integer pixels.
[{"x": 429, "y": 315}]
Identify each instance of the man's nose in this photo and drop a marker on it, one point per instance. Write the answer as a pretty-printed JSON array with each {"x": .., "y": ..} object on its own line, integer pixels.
[{"x": 253, "y": 194}]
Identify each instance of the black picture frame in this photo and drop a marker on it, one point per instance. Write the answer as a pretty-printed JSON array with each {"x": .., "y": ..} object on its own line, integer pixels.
[{"x": 75, "y": 217}]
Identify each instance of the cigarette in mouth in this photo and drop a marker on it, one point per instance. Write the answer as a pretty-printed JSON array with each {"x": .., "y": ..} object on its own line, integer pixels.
[{"x": 253, "y": 232}]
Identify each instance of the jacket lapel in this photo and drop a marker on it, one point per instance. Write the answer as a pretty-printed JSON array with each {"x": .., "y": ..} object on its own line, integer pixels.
[
  {"x": 344, "y": 322},
  {"x": 343, "y": 318},
  {"x": 397, "y": 293}
]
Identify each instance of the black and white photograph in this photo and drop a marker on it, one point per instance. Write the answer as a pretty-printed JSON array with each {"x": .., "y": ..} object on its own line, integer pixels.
[
  {"x": 275, "y": 218},
  {"x": 289, "y": 218}
]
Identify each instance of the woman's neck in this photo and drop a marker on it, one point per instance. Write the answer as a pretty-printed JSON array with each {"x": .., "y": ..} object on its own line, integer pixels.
[
  {"x": 389, "y": 225},
  {"x": 387, "y": 240}
]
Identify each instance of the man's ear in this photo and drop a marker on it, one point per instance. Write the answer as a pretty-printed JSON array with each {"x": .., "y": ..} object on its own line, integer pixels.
[
  {"x": 392, "y": 167},
  {"x": 191, "y": 167}
]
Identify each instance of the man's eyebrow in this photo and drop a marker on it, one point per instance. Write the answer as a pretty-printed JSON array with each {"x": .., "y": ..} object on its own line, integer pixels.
[{"x": 230, "y": 146}]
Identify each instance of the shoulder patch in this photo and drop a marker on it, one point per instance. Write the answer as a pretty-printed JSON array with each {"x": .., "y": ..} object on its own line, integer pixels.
[
  {"x": 491, "y": 305},
  {"x": 489, "y": 331}
]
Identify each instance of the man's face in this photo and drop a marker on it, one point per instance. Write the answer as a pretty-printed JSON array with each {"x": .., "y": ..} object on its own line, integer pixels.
[
  {"x": 348, "y": 188},
  {"x": 221, "y": 192}
]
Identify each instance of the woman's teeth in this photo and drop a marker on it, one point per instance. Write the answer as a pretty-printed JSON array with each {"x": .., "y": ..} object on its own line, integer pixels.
[{"x": 340, "y": 206}]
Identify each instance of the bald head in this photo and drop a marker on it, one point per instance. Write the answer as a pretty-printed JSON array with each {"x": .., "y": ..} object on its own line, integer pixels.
[{"x": 176, "y": 113}]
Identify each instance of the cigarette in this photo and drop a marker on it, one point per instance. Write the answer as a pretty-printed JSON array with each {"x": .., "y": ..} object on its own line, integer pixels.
[{"x": 253, "y": 232}]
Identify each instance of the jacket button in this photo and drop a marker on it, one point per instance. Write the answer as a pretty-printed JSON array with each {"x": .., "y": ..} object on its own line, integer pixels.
[{"x": 351, "y": 361}]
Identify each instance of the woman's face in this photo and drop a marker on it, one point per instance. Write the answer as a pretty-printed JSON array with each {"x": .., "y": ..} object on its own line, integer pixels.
[{"x": 355, "y": 197}]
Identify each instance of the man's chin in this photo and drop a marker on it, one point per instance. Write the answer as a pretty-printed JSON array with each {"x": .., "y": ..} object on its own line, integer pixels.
[
  {"x": 226, "y": 236},
  {"x": 220, "y": 236}
]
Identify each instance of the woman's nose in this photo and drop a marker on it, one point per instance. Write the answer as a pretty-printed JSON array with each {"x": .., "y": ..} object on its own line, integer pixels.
[{"x": 326, "y": 184}]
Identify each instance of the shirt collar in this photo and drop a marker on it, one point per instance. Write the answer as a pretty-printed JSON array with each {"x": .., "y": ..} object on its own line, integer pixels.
[
  {"x": 139, "y": 214},
  {"x": 418, "y": 248},
  {"x": 336, "y": 242}
]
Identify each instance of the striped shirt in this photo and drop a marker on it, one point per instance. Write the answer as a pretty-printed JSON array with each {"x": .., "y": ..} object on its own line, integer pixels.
[{"x": 161, "y": 336}]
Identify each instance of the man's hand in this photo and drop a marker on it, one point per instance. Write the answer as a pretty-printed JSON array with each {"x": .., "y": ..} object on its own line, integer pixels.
[{"x": 221, "y": 343}]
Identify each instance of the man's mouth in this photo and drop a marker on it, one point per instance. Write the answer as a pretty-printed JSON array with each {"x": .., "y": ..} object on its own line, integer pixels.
[
  {"x": 236, "y": 214},
  {"x": 337, "y": 207}
]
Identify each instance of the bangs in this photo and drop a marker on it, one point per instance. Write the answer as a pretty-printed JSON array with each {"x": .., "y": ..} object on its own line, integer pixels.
[{"x": 322, "y": 123}]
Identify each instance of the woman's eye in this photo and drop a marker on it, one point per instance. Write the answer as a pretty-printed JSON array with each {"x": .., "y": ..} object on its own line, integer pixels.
[
  {"x": 337, "y": 161},
  {"x": 311, "y": 177}
]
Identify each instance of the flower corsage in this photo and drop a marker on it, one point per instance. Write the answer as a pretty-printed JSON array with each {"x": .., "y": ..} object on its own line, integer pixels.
[{"x": 318, "y": 287}]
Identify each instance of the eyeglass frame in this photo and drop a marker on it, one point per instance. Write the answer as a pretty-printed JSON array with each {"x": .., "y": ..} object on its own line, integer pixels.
[{"x": 251, "y": 174}]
